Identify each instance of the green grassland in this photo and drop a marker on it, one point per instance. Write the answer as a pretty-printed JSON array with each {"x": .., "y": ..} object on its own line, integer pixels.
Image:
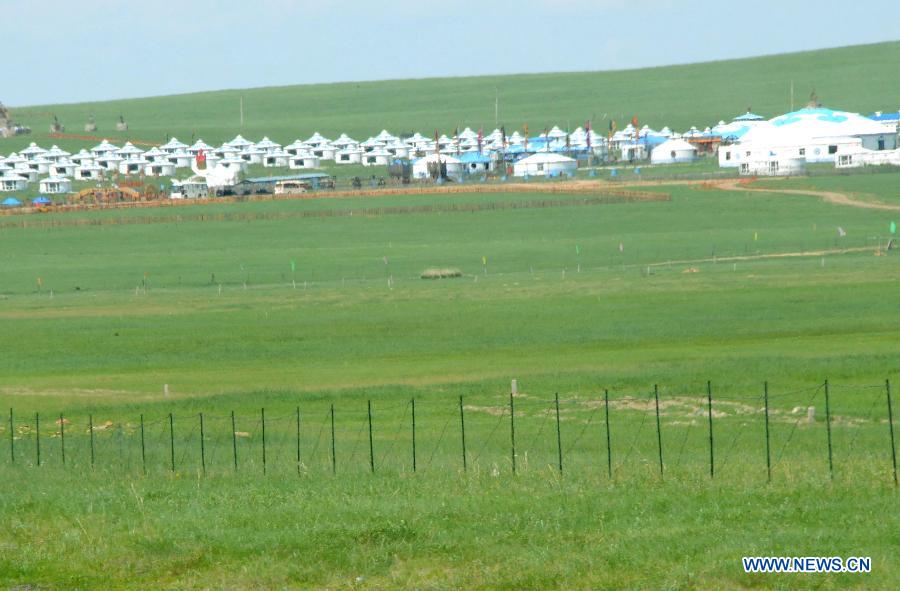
[
  {"x": 211, "y": 307},
  {"x": 301, "y": 306},
  {"x": 851, "y": 78}
]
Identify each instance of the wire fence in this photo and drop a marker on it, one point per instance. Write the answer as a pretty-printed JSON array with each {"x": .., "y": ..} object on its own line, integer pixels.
[{"x": 827, "y": 430}]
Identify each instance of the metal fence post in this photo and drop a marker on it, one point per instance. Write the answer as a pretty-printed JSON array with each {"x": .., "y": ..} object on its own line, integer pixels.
[
  {"x": 172, "y": 441},
  {"x": 512, "y": 430},
  {"x": 828, "y": 428},
  {"x": 262, "y": 413},
  {"x": 333, "y": 446},
  {"x": 37, "y": 432},
  {"x": 371, "y": 442},
  {"x": 202, "y": 446},
  {"x": 298, "y": 440},
  {"x": 234, "y": 442},
  {"x": 62, "y": 437},
  {"x": 413, "y": 402},
  {"x": 608, "y": 438},
  {"x": 559, "y": 452},
  {"x": 768, "y": 445},
  {"x": 658, "y": 429},
  {"x": 91, "y": 433},
  {"x": 143, "y": 447},
  {"x": 887, "y": 387},
  {"x": 462, "y": 429},
  {"x": 12, "y": 438},
  {"x": 712, "y": 463}
]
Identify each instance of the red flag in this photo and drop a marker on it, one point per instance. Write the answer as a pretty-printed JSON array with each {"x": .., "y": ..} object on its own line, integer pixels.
[
  {"x": 480, "y": 138},
  {"x": 201, "y": 159},
  {"x": 587, "y": 127}
]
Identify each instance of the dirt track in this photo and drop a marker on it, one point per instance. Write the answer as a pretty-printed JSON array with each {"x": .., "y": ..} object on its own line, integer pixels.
[{"x": 832, "y": 197}]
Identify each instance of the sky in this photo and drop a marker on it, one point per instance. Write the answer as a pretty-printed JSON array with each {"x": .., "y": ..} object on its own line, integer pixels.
[{"x": 61, "y": 51}]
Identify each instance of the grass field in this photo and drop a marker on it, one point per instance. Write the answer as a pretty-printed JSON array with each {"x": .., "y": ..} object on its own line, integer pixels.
[
  {"x": 849, "y": 78},
  {"x": 573, "y": 299}
]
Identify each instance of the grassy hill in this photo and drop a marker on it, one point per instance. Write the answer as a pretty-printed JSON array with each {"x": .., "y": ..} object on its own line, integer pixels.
[{"x": 853, "y": 78}]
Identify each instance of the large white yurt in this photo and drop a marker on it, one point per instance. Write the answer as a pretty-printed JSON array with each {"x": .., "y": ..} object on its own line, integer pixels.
[
  {"x": 815, "y": 134},
  {"x": 672, "y": 151},
  {"x": 545, "y": 164}
]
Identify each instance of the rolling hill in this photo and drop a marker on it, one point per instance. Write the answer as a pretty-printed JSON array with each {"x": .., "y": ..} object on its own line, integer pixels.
[{"x": 853, "y": 78}]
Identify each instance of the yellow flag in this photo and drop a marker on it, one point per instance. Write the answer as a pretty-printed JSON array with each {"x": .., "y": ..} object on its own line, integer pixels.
[
  {"x": 484, "y": 260},
  {"x": 755, "y": 236}
]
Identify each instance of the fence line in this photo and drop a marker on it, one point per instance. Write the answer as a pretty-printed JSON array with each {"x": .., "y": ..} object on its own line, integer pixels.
[{"x": 291, "y": 442}]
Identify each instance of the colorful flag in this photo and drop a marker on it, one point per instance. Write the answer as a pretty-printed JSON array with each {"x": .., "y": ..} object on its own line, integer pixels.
[
  {"x": 841, "y": 232},
  {"x": 293, "y": 266},
  {"x": 621, "y": 247},
  {"x": 587, "y": 128},
  {"x": 893, "y": 227},
  {"x": 755, "y": 236},
  {"x": 484, "y": 261},
  {"x": 577, "y": 249}
]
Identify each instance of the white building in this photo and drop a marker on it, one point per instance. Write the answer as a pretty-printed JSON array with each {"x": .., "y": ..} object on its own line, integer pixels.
[
  {"x": 857, "y": 156},
  {"x": 133, "y": 166},
  {"x": 351, "y": 155},
  {"x": 62, "y": 168},
  {"x": 303, "y": 160},
  {"x": 814, "y": 134},
  {"x": 88, "y": 171},
  {"x": 55, "y": 185},
  {"x": 672, "y": 151},
  {"x": 377, "y": 157},
  {"x": 276, "y": 159},
  {"x": 109, "y": 161},
  {"x": 545, "y": 164},
  {"x": 11, "y": 181},
  {"x": 161, "y": 168},
  {"x": 772, "y": 165}
]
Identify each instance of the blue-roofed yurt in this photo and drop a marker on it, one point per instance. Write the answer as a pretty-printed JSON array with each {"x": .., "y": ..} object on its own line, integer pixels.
[
  {"x": 10, "y": 202},
  {"x": 41, "y": 201},
  {"x": 473, "y": 163}
]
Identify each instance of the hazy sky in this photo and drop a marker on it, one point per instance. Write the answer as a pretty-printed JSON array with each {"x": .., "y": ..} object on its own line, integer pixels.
[{"x": 76, "y": 50}]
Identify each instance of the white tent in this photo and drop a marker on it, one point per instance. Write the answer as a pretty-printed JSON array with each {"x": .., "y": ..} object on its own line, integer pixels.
[
  {"x": 545, "y": 164},
  {"x": 303, "y": 160},
  {"x": 55, "y": 185},
  {"x": 11, "y": 181},
  {"x": 429, "y": 167},
  {"x": 88, "y": 171},
  {"x": 350, "y": 155},
  {"x": 275, "y": 158},
  {"x": 376, "y": 157},
  {"x": 62, "y": 168},
  {"x": 672, "y": 151},
  {"x": 161, "y": 168}
]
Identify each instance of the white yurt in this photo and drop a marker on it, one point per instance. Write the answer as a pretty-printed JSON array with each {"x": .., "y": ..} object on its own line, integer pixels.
[
  {"x": 55, "y": 185},
  {"x": 82, "y": 157},
  {"x": 109, "y": 161},
  {"x": 275, "y": 159},
  {"x": 160, "y": 168},
  {"x": 303, "y": 160},
  {"x": 62, "y": 168},
  {"x": 173, "y": 145},
  {"x": 427, "y": 167},
  {"x": 132, "y": 166},
  {"x": 348, "y": 155},
  {"x": 11, "y": 181},
  {"x": 377, "y": 157},
  {"x": 324, "y": 152},
  {"x": 88, "y": 171},
  {"x": 673, "y": 151},
  {"x": 545, "y": 164},
  {"x": 180, "y": 159},
  {"x": 103, "y": 148}
]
